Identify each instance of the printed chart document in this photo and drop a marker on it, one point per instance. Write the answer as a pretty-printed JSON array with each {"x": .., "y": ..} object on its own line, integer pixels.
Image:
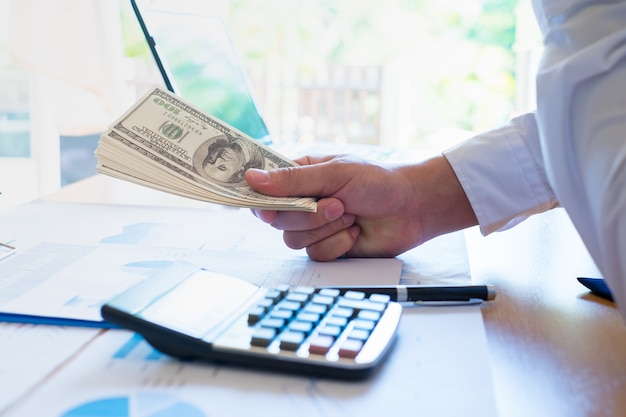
[
  {"x": 438, "y": 367},
  {"x": 29, "y": 352},
  {"x": 71, "y": 256},
  {"x": 67, "y": 268},
  {"x": 71, "y": 282}
]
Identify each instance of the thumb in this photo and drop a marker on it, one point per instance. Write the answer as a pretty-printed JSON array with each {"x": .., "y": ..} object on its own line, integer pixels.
[{"x": 298, "y": 181}]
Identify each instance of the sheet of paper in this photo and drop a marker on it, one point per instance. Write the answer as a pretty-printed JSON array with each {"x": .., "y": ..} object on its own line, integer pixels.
[
  {"x": 73, "y": 281},
  {"x": 208, "y": 229},
  {"x": 439, "y": 366},
  {"x": 91, "y": 224},
  {"x": 56, "y": 236},
  {"x": 28, "y": 353},
  {"x": 440, "y": 261},
  {"x": 73, "y": 257}
]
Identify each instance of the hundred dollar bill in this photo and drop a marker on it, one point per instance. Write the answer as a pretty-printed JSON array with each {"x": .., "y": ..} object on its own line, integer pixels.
[{"x": 165, "y": 143}]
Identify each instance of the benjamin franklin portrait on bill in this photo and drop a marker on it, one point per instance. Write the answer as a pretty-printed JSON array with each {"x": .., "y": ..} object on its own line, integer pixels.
[{"x": 224, "y": 160}]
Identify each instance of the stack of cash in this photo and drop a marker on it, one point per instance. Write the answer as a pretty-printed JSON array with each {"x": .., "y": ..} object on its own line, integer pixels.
[{"x": 164, "y": 143}]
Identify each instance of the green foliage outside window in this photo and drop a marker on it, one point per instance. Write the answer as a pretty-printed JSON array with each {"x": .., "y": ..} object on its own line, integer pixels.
[
  {"x": 455, "y": 58},
  {"x": 458, "y": 54}
]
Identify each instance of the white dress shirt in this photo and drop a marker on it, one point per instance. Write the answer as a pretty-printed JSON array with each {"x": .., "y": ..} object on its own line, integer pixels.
[{"x": 572, "y": 151}]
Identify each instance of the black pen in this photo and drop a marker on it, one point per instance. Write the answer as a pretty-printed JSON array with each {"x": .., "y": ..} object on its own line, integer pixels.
[{"x": 426, "y": 293}]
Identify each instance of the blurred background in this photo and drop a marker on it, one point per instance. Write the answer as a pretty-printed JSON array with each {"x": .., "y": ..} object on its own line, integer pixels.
[{"x": 406, "y": 74}]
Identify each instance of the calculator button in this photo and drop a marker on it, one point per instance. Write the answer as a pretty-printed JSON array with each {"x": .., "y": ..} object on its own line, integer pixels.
[
  {"x": 359, "y": 334},
  {"x": 361, "y": 305},
  {"x": 354, "y": 295},
  {"x": 329, "y": 292},
  {"x": 262, "y": 337},
  {"x": 308, "y": 317},
  {"x": 320, "y": 345},
  {"x": 281, "y": 314},
  {"x": 323, "y": 300},
  {"x": 291, "y": 340},
  {"x": 282, "y": 288},
  {"x": 380, "y": 298},
  {"x": 369, "y": 315},
  {"x": 303, "y": 290},
  {"x": 380, "y": 307},
  {"x": 297, "y": 297},
  {"x": 272, "y": 323},
  {"x": 350, "y": 348},
  {"x": 363, "y": 324},
  {"x": 256, "y": 314},
  {"x": 343, "y": 312},
  {"x": 337, "y": 321},
  {"x": 289, "y": 305},
  {"x": 315, "y": 308},
  {"x": 333, "y": 331},
  {"x": 274, "y": 294},
  {"x": 301, "y": 326}
]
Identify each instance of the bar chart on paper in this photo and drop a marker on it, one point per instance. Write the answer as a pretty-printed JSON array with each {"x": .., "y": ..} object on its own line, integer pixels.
[{"x": 139, "y": 405}]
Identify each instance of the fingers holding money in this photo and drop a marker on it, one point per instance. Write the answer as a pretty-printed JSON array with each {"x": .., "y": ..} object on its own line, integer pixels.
[
  {"x": 328, "y": 210},
  {"x": 333, "y": 246},
  {"x": 298, "y": 239},
  {"x": 327, "y": 233}
]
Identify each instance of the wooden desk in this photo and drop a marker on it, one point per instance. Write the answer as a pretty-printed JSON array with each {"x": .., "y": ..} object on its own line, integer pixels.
[{"x": 556, "y": 350}]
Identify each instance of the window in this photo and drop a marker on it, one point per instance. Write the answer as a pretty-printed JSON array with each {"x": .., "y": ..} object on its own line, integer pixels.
[{"x": 402, "y": 73}]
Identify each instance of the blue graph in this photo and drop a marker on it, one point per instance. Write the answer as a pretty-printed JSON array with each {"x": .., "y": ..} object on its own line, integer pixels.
[
  {"x": 132, "y": 233},
  {"x": 137, "y": 347},
  {"x": 140, "y": 405}
]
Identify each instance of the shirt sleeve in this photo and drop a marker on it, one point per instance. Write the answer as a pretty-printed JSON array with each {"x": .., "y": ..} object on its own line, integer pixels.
[{"x": 502, "y": 174}]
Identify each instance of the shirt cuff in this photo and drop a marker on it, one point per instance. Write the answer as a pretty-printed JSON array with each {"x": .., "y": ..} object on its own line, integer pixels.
[{"x": 502, "y": 174}]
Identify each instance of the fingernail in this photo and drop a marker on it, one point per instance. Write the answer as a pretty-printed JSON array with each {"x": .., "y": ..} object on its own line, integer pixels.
[
  {"x": 333, "y": 211},
  {"x": 355, "y": 231},
  {"x": 348, "y": 219},
  {"x": 259, "y": 176}
]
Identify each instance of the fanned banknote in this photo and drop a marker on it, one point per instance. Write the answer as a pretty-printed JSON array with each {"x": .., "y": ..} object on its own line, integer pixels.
[{"x": 164, "y": 143}]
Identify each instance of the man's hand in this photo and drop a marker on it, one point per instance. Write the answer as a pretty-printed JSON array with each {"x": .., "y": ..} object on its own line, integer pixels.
[{"x": 364, "y": 210}]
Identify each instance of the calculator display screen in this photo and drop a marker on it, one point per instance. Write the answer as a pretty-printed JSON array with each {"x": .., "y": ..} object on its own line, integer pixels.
[{"x": 199, "y": 303}]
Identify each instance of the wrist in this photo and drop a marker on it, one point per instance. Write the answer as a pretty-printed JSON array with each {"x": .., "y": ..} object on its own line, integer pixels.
[{"x": 438, "y": 199}]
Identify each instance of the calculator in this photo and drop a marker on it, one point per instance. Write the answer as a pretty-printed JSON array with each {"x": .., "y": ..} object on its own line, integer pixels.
[{"x": 193, "y": 313}]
